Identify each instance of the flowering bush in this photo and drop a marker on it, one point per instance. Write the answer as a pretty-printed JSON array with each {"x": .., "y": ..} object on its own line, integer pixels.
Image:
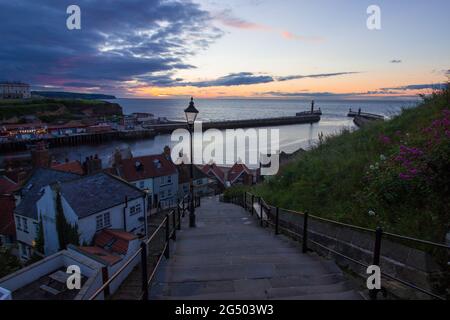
[{"x": 418, "y": 164}]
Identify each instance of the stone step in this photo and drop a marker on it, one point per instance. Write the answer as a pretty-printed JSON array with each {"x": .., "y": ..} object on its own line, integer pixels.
[
  {"x": 335, "y": 292},
  {"x": 209, "y": 287},
  {"x": 293, "y": 291},
  {"x": 347, "y": 295}
]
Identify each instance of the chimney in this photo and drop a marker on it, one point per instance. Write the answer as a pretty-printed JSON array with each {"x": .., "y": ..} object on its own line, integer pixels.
[
  {"x": 167, "y": 153},
  {"x": 40, "y": 155},
  {"x": 92, "y": 165}
]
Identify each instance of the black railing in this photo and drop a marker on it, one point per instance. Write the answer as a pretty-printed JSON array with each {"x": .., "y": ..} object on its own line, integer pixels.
[
  {"x": 171, "y": 223},
  {"x": 378, "y": 236}
]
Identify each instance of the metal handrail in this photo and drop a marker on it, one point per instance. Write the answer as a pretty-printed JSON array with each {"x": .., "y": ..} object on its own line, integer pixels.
[
  {"x": 115, "y": 275},
  {"x": 139, "y": 251},
  {"x": 378, "y": 233}
]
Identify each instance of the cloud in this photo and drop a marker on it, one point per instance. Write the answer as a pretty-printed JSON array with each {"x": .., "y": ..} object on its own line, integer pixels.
[
  {"x": 233, "y": 79},
  {"x": 432, "y": 86},
  {"x": 319, "y": 75},
  {"x": 119, "y": 41},
  {"x": 395, "y": 61},
  {"x": 248, "y": 78},
  {"x": 227, "y": 18}
]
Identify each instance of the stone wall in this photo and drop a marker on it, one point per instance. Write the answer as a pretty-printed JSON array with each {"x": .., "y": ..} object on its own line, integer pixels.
[{"x": 400, "y": 260}]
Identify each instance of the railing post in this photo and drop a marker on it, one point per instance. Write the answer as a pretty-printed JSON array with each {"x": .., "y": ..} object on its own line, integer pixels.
[
  {"x": 305, "y": 233},
  {"x": 144, "y": 271},
  {"x": 167, "y": 251},
  {"x": 245, "y": 201},
  {"x": 261, "y": 211},
  {"x": 179, "y": 217},
  {"x": 277, "y": 221},
  {"x": 376, "y": 257},
  {"x": 105, "y": 278},
  {"x": 174, "y": 224}
]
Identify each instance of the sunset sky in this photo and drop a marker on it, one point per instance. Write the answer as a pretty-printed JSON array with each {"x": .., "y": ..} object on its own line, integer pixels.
[{"x": 234, "y": 48}]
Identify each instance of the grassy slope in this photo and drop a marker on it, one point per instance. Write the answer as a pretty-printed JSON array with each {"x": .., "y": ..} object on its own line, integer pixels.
[
  {"x": 19, "y": 108},
  {"x": 329, "y": 180}
]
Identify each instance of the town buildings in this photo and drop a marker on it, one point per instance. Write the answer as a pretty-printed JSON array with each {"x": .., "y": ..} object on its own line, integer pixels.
[
  {"x": 14, "y": 90},
  {"x": 203, "y": 185},
  {"x": 156, "y": 174}
]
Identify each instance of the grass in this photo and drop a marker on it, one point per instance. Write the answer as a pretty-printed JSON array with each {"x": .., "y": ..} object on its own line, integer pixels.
[
  {"x": 335, "y": 178},
  {"x": 55, "y": 109}
]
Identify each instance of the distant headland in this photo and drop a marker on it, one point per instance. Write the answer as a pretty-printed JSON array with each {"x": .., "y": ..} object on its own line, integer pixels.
[{"x": 71, "y": 95}]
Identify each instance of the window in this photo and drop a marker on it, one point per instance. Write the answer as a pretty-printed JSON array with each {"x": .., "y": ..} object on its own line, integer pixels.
[
  {"x": 132, "y": 210},
  {"x": 163, "y": 194},
  {"x": 169, "y": 179},
  {"x": 99, "y": 222},
  {"x": 138, "y": 208},
  {"x": 142, "y": 184},
  {"x": 18, "y": 223},
  {"x": 25, "y": 224},
  {"x": 169, "y": 193},
  {"x": 107, "y": 219},
  {"x": 23, "y": 250}
]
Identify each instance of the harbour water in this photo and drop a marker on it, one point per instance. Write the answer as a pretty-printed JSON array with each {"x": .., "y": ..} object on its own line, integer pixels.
[{"x": 292, "y": 137}]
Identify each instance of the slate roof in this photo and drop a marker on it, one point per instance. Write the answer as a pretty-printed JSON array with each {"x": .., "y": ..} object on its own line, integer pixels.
[
  {"x": 31, "y": 191},
  {"x": 98, "y": 192}
]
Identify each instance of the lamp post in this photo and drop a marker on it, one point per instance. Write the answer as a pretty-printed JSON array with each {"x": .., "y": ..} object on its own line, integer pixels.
[{"x": 191, "y": 114}]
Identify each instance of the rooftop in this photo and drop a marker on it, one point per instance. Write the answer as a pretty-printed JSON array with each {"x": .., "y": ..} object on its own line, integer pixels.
[
  {"x": 184, "y": 173},
  {"x": 31, "y": 190},
  {"x": 91, "y": 194},
  {"x": 71, "y": 166},
  {"x": 7, "y": 225},
  {"x": 7, "y": 186},
  {"x": 151, "y": 166}
]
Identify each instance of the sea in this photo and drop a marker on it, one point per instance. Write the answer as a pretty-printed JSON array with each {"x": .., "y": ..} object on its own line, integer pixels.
[{"x": 292, "y": 137}]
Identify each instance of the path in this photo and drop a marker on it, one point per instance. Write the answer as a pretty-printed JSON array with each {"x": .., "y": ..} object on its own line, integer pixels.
[{"x": 229, "y": 256}]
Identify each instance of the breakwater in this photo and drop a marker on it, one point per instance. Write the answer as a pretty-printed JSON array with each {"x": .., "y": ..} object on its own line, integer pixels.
[{"x": 235, "y": 124}]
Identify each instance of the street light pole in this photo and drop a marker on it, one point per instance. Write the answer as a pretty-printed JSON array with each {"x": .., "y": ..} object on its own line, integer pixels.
[{"x": 191, "y": 114}]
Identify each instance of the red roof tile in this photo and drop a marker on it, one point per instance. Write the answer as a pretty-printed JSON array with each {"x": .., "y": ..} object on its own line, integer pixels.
[
  {"x": 116, "y": 240},
  {"x": 237, "y": 170},
  {"x": 7, "y": 185},
  {"x": 72, "y": 166},
  {"x": 102, "y": 254},
  {"x": 213, "y": 169},
  {"x": 145, "y": 167},
  {"x": 7, "y": 225}
]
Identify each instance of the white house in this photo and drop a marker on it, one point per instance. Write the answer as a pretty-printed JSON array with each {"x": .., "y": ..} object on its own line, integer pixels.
[
  {"x": 26, "y": 213},
  {"x": 156, "y": 174},
  {"x": 92, "y": 203}
]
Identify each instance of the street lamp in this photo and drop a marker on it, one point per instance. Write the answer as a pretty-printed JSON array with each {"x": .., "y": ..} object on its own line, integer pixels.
[{"x": 191, "y": 114}]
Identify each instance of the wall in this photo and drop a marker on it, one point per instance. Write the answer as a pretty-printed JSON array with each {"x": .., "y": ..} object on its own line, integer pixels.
[{"x": 398, "y": 259}]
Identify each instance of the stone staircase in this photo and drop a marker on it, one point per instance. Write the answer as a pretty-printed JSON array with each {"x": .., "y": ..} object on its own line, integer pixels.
[{"x": 229, "y": 256}]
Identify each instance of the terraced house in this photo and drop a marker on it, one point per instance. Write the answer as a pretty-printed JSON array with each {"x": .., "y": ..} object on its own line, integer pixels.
[
  {"x": 85, "y": 204},
  {"x": 156, "y": 174}
]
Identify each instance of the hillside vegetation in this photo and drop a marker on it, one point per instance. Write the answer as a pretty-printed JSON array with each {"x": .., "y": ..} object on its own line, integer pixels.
[
  {"x": 393, "y": 174},
  {"x": 49, "y": 110}
]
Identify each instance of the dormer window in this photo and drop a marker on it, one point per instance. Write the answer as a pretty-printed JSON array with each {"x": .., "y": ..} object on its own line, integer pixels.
[{"x": 157, "y": 163}]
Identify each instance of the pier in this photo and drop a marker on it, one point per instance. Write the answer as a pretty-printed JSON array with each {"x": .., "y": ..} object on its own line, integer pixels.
[
  {"x": 361, "y": 119},
  {"x": 246, "y": 123}
]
